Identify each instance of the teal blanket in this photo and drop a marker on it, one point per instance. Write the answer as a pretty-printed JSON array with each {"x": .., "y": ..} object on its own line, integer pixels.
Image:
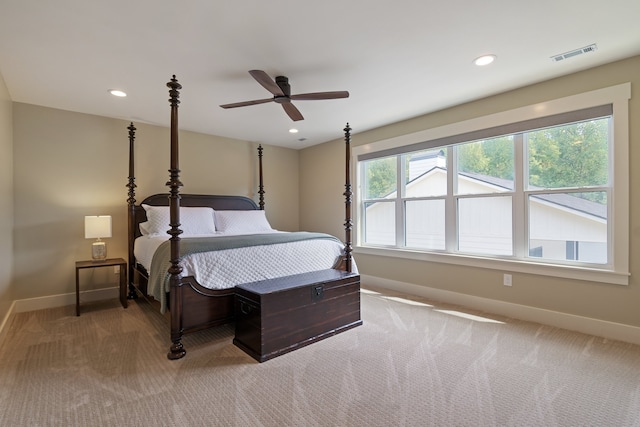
[{"x": 159, "y": 285}]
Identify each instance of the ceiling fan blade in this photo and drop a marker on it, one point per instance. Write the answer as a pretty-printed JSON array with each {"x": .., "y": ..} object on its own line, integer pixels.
[
  {"x": 267, "y": 82},
  {"x": 320, "y": 95},
  {"x": 292, "y": 111},
  {"x": 245, "y": 103}
]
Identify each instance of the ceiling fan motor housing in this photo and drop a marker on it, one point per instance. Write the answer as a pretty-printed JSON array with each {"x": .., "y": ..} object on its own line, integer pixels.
[{"x": 283, "y": 84}]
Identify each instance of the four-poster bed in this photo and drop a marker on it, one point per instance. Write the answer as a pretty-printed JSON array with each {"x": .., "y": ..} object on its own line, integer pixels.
[{"x": 195, "y": 304}]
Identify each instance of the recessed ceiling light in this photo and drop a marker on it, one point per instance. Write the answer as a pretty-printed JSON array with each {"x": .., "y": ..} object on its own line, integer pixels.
[
  {"x": 116, "y": 92},
  {"x": 484, "y": 60},
  {"x": 293, "y": 130}
]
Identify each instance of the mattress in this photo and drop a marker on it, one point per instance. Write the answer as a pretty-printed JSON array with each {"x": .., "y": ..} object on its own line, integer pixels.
[{"x": 226, "y": 268}]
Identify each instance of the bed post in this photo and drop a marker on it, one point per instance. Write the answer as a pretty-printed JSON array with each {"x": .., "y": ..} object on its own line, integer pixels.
[
  {"x": 260, "y": 186},
  {"x": 177, "y": 350},
  {"x": 348, "y": 224},
  {"x": 131, "y": 202}
]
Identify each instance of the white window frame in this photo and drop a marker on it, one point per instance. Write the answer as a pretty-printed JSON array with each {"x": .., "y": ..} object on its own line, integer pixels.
[{"x": 615, "y": 273}]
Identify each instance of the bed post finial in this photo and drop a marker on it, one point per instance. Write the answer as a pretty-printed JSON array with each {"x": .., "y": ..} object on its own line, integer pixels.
[
  {"x": 177, "y": 350},
  {"x": 261, "y": 184},
  {"x": 131, "y": 217},
  {"x": 348, "y": 224}
]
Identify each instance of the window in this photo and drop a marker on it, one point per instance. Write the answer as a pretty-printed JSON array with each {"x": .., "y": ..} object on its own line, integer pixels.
[{"x": 537, "y": 192}]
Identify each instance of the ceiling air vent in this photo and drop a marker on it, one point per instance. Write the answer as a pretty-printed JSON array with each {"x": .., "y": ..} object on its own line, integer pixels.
[{"x": 572, "y": 53}]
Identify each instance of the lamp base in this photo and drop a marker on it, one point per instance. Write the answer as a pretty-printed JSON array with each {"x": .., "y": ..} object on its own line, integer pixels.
[{"x": 98, "y": 251}]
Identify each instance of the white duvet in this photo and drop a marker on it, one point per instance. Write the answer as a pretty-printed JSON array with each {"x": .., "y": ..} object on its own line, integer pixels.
[{"x": 227, "y": 268}]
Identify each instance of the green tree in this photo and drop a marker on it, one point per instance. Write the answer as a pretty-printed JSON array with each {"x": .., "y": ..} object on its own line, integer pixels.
[
  {"x": 491, "y": 157},
  {"x": 380, "y": 177},
  {"x": 574, "y": 155}
]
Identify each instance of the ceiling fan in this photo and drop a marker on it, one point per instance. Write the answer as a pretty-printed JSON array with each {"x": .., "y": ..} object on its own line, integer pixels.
[{"x": 282, "y": 94}]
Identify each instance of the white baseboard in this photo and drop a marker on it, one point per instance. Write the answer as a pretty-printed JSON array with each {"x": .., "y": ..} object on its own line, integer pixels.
[
  {"x": 4, "y": 325},
  {"x": 586, "y": 325},
  {"x": 61, "y": 300},
  {"x": 53, "y": 301}
]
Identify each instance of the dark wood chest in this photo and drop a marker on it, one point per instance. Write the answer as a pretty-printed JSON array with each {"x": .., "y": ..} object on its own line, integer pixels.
[{"x": 277, "y": 316}]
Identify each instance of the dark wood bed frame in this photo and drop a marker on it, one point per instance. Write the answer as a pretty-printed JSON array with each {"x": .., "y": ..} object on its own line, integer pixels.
[{"x": 206, "y": 307}]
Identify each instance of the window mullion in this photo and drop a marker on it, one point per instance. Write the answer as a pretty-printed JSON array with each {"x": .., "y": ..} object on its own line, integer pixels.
[
  {"x": 520, "y": 216},
  {"x": 451, "y": 215},
  {"x": 400, "y": 193}
]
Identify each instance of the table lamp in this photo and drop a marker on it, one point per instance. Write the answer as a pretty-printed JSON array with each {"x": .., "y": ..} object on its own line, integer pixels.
[{"x": 97, "y": 227}]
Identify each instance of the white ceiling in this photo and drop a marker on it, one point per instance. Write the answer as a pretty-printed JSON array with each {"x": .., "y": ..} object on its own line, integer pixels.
[{"x": 397, "y": 58}]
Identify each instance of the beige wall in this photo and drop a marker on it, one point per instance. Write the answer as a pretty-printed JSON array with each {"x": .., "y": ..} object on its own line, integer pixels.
[
  {"x": 321, "y": 207},
  {"x": 6, "y": 195},
  {"x": 68, "y": 165}
]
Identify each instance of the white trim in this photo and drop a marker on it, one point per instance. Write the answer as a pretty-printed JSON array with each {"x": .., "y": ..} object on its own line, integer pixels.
[
  {"x": 4, "y": 326},
  {"x": 620, "y": 184},
  {"x": 61, "y": 300},
  {"x": 586, "y": 325},
  {"x": 618, "y": 273},
  {"x": 501, "y": 264},
  {"x": 53, "y": 301}
]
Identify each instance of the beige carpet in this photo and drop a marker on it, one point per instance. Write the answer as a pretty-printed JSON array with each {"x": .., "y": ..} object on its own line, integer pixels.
[{"x": 412, "y": 363}]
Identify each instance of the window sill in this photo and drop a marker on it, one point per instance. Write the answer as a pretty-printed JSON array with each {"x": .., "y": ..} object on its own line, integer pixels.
[{"x": 537, "y": 268}]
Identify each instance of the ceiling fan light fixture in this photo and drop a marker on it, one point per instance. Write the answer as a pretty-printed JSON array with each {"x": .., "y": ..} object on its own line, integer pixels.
[
  {"x": 483, "y": 60},
  {"x": 118, "y": 93}
]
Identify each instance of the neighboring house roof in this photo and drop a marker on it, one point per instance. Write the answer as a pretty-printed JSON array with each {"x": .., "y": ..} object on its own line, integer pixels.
[
  {"x": 576, "y": 203},
  {"x": 566, "y": 200}
]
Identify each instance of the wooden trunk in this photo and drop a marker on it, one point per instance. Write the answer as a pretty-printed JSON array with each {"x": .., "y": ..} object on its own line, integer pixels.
[{"x": 280, "y": 315}]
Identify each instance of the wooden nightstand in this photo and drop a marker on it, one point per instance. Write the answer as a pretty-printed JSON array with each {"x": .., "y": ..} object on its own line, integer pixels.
[{"x": 111, "y": 262}]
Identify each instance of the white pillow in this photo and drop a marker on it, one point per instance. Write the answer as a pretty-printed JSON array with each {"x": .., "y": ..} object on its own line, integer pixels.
[
  {"x": 242, "y": 222},
  {"x": 144, "y": 228},
  {"x": 194, "y": 221}
]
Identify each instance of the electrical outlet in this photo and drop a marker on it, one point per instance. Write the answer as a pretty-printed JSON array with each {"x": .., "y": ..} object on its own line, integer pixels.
[
  {"x": 507, "y": 280},
  {"x": 116, "y": 269}
]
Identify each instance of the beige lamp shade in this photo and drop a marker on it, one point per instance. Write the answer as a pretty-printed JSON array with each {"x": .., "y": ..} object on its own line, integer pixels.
[{"x": 97, "y": 227}]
